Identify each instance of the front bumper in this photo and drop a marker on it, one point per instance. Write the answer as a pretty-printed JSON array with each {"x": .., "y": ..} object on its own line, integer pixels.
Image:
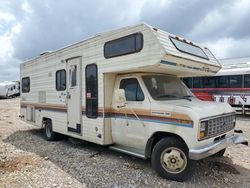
[{"x": 197, "y": 154}]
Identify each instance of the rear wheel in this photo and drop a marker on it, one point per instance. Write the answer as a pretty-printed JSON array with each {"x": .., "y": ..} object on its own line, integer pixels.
[
  {"x": 170, "y": 159},
  {"x": 49, "y": 134}
]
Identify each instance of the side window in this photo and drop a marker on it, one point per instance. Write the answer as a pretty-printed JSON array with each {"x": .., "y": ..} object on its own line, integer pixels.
[
  {"x": 133, "y": 91},
  {"x": 73, "y": 76},
  {"x": 61, "y": 80},
  {"x": 91, "y": 91},
  {"x": 235, "y": 81},
  {"x": 188, "y": 82},
  {"x": 247, "y": 81},
  {"x": 197, "y": 82},
  {"x": 222, "y": 81},
  {"x": 26, "y": 85},
  {"x": 208, "y": 82},
  {"x": 122, "y": 46}
]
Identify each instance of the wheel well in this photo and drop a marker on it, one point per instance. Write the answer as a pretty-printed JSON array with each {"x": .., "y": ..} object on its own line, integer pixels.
[
  {"x": 44, "y": 120},
  {"x": 157, "y": 136}
]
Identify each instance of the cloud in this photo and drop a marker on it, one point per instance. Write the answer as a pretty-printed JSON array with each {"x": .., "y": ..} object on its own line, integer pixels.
[
  {"x": 29, "y": 27},
  {"x": 51, "y": 25}
]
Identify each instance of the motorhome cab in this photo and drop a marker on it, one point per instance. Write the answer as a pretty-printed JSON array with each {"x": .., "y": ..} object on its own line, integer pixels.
[{"x": 122, "y": 89}]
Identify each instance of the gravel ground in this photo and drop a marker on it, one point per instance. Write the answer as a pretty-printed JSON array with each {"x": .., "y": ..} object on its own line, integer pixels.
[{"x": 27, "y": 160}]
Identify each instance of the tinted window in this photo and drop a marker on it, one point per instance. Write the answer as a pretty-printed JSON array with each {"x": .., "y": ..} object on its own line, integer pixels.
[
  {"x": 60, "y": 80},
  {"x": 25, "y": 85},
  {"x": 222, "y": 81},
  {"x": 188, "y": 48},
  {"x": 247, "y": 81},
  {"x": 122, "y": 46},
  {"x": 208, "y": 82},
  {"x": 133, "y": 91},
  {"x": 91, "y": 91},
  {"x": 197, "y": 83},
  {"x": 188, "y": 82},
  {"x": 235, "y": 81}
]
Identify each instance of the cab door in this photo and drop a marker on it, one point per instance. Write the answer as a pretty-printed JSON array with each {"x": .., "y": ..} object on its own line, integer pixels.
[
  {"x": 128, "y": 123},
  {"x": 74, "y": 95}
]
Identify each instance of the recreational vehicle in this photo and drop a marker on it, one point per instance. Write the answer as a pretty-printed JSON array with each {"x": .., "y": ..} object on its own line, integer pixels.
[
  {"x": 9, "y": 89},
  {"x": 122, "y": 89}
]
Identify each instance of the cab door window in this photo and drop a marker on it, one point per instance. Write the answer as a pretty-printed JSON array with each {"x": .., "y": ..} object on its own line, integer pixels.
[{"x": 133, "y": 91}]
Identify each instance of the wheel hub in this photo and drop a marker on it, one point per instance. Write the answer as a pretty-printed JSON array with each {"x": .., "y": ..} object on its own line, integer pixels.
[{"x": 173, "y": 160}]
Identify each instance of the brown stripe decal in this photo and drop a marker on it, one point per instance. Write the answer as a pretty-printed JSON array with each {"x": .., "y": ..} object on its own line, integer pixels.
[{"x": 145, "y": 115}]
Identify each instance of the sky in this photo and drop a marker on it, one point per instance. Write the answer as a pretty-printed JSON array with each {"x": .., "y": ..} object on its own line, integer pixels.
[{"x": 29, "y": 27}]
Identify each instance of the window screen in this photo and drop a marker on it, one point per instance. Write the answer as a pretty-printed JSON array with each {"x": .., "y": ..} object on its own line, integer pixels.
[
  {"x": 25, "y": 85},
  {"x": 188, "y": 48},
  {"x": 91, "y": 91},
  {"x": 133, "y": 91},
  {"x": 61, "y": 80},
  {"x": 122, "y": 46},
  {"x": 247, "y": 81}
]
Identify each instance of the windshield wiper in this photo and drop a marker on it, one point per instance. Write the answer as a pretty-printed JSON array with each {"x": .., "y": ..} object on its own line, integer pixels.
[
  {"x": 187, "y": 97},
  {"x": 161, "y": 96}
]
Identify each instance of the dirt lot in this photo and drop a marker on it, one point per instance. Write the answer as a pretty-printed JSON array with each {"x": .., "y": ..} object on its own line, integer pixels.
[{"x": 27, "y": 160}]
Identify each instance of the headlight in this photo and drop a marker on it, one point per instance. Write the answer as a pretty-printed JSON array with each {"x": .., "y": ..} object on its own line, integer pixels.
[
  {"x": 202, "y": 126},
  {"x": 202, "y": 133}
]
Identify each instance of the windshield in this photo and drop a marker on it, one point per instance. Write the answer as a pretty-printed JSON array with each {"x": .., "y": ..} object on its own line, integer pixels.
[{"x": 163, "y": 87}]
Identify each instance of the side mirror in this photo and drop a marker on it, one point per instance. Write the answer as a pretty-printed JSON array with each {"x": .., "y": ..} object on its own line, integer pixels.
[{"x": 120, "y": 98}]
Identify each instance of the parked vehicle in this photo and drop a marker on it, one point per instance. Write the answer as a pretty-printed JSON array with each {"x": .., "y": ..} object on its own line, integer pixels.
[
  {"x": 9, "y": 89},
  {"x": 121, "y": 89},
  {"x": 230, "y": 85}
]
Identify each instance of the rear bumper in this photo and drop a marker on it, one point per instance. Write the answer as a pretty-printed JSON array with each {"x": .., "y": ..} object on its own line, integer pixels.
[{"x": 197, "y": 154}]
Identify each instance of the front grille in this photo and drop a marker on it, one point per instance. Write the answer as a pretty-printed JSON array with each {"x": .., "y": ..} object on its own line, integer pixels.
[{"x": 219, "y": 125}]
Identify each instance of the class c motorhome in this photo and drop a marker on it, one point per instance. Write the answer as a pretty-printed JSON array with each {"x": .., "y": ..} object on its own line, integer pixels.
[{"x": 122, "y": 89}]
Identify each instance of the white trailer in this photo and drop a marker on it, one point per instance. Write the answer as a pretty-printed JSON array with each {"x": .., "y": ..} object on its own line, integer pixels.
[
  {"x": 9, "y": 89},
  {"x": 121, "y": 88}
]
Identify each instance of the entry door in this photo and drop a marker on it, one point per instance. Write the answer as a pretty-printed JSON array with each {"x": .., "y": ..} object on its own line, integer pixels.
[{"x": 74, "y": 95}]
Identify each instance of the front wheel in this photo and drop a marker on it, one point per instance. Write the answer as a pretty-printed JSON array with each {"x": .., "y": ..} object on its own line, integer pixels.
[{"x": 170, "y": 159}]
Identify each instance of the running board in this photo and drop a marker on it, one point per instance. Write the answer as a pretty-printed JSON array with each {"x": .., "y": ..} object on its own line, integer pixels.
[{"x": 127, "y": 150}]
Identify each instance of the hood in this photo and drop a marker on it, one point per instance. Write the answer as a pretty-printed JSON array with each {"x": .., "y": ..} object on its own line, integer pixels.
[{"x": 202, "y": 108}]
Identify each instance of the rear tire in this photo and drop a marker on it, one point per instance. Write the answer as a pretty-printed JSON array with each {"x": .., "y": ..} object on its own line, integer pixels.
[
  {"x": 49, "y": 134},
  {"x": 170, "y": 159},
  {"x": 220, "y": 153}
]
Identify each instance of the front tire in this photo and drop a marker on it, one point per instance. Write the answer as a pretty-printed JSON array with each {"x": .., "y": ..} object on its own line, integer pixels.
[
  {"x": 170, "y": 159},
  {"x": 49, "y": 134}
]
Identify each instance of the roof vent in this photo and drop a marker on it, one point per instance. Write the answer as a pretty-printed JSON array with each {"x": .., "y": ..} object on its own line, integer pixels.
[{"x": 45, "y": 52}]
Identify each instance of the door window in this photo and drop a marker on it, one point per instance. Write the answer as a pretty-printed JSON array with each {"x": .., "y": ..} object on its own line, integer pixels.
[
  {"x": 133, "y": 91},
  {"x": 91, "y": 91},
  {"x": 73, "y": 76}
]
